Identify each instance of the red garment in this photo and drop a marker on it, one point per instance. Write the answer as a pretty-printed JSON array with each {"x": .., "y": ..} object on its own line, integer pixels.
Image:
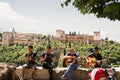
[{"x": 98, "y": 74}]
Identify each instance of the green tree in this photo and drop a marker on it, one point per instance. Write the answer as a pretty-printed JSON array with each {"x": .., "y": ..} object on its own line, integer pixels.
[
  {"x": 70, "y": 33},
  {"x": 101, "y": 8},
  {"x": 106, "y": 40},
  {"x": 111, "y": 42}
]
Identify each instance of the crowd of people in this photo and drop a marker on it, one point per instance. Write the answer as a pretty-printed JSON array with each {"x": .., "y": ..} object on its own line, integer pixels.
[{"x": 71, "y": 60}]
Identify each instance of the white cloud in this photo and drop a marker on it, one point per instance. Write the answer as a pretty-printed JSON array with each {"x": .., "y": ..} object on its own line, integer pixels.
[
  {"x": 9, "y": 19},
  {"x": 76, "y": 20}
]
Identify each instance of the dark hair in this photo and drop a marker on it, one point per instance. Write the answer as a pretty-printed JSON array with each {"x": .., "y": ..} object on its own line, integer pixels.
[
  {"x": 49, "y": 47},
  {"x": 95, "y": 48},
  {"x": 30, "y": 46}
]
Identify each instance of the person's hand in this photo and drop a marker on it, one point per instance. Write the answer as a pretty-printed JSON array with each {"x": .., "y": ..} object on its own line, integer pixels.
[
  {"x": 69, "y": 57},
  {"x": 80, "y": 59},
  {"x": 74, "y": 57},
  {"x": 44, "y": 58},
  {"x": 29, "y": 58}
]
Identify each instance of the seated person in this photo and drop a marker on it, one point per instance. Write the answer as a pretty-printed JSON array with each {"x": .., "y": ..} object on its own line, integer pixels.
[
  {"x": 73, "y": 63},
  {"x": 94, "y": 59},
  {"x": 47, "y": 59},
  {"x": 97, "y": 73},
  {"x": 30, "y": 58}
]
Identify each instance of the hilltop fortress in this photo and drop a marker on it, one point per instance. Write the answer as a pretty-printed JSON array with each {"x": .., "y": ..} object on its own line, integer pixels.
[
  {"x": 14, "y": 37},
  {"x": 82, "y": 38},
  {"x": 20, "y": 38}
]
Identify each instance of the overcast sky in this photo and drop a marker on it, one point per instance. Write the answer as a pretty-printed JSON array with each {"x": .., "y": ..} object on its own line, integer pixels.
[{"x": 45, "y": 16}]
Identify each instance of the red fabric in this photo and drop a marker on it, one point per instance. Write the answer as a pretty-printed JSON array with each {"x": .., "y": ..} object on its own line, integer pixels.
[{"x": 97, "y": 73}]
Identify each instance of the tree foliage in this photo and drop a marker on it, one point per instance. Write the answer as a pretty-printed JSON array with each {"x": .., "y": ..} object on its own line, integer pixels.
[
  {"x": 16, "y": 53},
  {"x": 101, "y": 8}
]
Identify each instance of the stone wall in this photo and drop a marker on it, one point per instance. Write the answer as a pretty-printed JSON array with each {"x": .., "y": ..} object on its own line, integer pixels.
[{"x": 42, "y": 74}]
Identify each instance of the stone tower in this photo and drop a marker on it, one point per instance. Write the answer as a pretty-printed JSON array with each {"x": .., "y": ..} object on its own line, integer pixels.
[
  {"x": 7, "y": 38},
  {"x": 60, "y": 33},
  {"x": 97, "y": 35},
  {"x": 13, "y": 33}
]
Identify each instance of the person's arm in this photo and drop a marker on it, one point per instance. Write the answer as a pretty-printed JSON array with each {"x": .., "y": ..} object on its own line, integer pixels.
[
  {"x": 66, "y": 56},
  {"x": 26, "y": 58},
  {"x": 54, "y": 60},
  {"x": 43, "y": 57},
  {"x": 99, "y": 62},
  {"x": 79, "y": 58}
]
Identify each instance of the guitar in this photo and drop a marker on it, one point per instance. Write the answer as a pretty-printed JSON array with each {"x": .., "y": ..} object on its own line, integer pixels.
[
  {"x": 71, "y": 60},
  {"x": 92, "y": 61}
]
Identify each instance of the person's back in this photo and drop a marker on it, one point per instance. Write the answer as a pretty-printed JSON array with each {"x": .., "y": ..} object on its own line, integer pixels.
[
  {"x": 7, "y": 73},
  {"x": 98, "y": 74}
]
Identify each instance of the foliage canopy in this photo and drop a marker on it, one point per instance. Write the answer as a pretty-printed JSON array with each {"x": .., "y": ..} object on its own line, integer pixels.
[{"x": 109, "y": 9}]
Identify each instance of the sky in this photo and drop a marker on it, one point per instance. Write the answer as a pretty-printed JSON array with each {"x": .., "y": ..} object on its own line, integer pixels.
[{"x": 46, "y": 16}]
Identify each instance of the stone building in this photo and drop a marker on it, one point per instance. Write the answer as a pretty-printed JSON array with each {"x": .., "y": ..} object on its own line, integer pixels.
[
  {"x": 82, "y": 38},
  {"x": 21, "y": 38},
  {"x": 7, "y": 38}
]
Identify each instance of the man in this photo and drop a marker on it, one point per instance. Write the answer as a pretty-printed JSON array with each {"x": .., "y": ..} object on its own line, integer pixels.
[
  {"x": 47, "y": 59},
  {"x": 97, "y": 73},
  {"x": 73, "y": 63},
  {"x": 30, "y": 59},
  {"x": 96, "y": 55}
]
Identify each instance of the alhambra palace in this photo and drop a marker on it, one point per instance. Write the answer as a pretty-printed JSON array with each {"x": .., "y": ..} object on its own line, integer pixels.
[{"x": 14, "y": 37}]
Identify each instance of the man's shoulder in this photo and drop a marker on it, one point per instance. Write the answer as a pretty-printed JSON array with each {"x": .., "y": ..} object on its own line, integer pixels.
[
  {"x": 34, "y": 52},
  {"x": 91, "y": 54},
  {"x": 52, "y": 54},
  {"x": 68, "y": 54},
  {"x": 77, "y": 54},
  {"x": 43, "y": 54}
]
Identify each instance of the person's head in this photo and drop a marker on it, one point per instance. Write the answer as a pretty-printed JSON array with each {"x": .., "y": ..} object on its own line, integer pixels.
[
  {"x": 72, "y": 51},
  {"x": 30, "y": 48},
  {"x": 96, "y": 50},
  {"x": 7, "y": 73},
  {"x": 48, "y": 49}
]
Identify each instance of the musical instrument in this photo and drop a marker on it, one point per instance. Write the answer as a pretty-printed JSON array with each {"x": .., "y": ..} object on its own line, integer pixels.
[
  {"x": 71, "y": 60},
  {"x": 92, "y": 61}
]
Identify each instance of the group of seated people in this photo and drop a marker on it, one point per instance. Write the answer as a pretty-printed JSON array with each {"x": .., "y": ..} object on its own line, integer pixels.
[{"x": 47, "y": 59}]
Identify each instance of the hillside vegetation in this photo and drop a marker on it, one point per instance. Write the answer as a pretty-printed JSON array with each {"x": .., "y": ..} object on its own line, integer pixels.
[{"x": 16, "y": 53}]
